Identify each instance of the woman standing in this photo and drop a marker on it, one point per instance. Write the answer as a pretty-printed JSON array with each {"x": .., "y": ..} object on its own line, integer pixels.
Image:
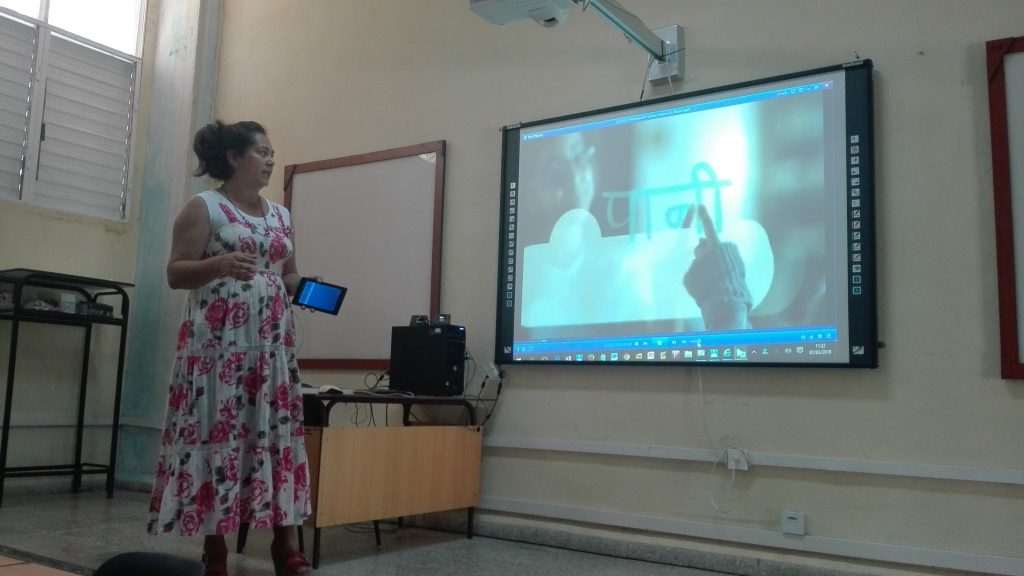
[{"x": 233, "y": 448}]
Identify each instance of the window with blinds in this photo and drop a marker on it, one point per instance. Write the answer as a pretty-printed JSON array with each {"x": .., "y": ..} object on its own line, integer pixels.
[
  {"x": 66, "y": 125},
  {"x": 17, "y": 54}
]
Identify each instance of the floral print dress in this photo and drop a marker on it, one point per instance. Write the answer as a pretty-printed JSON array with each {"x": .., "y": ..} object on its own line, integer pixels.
[{"x": 233, "y": 446}]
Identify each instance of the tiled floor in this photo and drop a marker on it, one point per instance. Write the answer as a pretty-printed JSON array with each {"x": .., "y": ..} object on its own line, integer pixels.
[
  {"x": 77, "y": 533},
  {"x": 15, "y": 567}
]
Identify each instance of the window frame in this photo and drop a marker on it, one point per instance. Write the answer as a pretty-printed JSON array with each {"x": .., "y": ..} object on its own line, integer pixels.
[{"x": 116, "y": 205}]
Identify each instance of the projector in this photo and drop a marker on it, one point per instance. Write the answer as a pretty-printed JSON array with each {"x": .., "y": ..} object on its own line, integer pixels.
[{"x": 547, "y": 13}]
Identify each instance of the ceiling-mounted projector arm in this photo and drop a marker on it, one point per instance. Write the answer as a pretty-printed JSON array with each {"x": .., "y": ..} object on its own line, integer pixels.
[
  {"x": 550, "y": 13},
  {"x": 629, "y": 24}
]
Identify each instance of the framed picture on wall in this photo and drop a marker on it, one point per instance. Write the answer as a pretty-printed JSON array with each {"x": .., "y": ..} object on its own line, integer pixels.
[{"x": 1005, "y": 59}]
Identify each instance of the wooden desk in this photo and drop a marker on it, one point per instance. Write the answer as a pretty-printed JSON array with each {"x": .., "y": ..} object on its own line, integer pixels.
[{"x": 368, "y": 474}]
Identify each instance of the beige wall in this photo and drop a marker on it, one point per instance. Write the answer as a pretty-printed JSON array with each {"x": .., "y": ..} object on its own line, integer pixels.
[
  {"x": 338, "y": 78},
  {"x": 48, "y": 365},
  {"x": 348, "y": 76},
  {"x": 45, "y": 239}
]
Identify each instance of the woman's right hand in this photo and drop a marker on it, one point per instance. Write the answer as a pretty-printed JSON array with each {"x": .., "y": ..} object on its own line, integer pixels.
[{"x": 237, "y": 265}]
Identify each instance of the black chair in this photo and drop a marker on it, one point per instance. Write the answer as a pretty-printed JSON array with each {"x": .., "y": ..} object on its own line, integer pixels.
[{"x": 149, "y": 564}]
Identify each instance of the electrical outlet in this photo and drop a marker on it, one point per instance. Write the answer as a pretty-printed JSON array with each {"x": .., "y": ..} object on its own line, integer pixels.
[
  {"x": 794, "y": 523},
  {"x": 736, "y": 459}
]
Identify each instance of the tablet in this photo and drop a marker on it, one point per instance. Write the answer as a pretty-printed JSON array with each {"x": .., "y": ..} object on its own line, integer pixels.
[{"x": 318, "y": 295}]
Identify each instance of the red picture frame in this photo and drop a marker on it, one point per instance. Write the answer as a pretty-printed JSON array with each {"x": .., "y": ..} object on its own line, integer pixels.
[{"x": 1010, "y": 314}]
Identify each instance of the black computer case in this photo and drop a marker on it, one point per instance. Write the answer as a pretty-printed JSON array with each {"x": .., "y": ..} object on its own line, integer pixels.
[{"x": 428, "y": 360}]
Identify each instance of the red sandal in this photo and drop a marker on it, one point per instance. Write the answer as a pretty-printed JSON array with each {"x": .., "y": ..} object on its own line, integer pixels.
[
  {"x": 216, "y": 563},
  {"x": 289, "y": 562}
]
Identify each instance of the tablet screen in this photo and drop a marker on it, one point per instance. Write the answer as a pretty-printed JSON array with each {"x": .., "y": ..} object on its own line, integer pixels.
[{"x": 321, "y": 296}]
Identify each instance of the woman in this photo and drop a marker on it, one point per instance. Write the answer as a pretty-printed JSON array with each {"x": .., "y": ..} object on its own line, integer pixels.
[{"x": 233, "y": 447}]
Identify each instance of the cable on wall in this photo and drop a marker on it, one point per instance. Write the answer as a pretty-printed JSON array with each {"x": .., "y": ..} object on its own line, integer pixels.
[
  {"x": 647, "y": 74},
  {"x": 720, "y": 455}
]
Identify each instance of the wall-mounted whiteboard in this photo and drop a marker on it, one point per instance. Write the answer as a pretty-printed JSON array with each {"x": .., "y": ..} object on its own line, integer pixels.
[
  {"x": 371, "y": 223},
  {"x": 1006, "y": 114}
]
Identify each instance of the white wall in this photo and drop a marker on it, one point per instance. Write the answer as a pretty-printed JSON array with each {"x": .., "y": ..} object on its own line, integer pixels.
[{"x": 344, "y": 77}]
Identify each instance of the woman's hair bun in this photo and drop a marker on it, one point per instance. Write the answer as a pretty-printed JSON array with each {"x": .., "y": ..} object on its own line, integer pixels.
[{"x": 212, "y": 143}]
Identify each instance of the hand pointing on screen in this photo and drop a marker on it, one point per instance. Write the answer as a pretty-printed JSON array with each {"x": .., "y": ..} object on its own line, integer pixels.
[{"x": 717, "y": 277}]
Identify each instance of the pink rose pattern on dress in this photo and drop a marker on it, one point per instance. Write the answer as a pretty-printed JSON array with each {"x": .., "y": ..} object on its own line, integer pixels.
[
  {"x": 232, "y": 449},
  {"x": 248, "y": 245},
  {"x": 278, "y": 249},
  {"x": 183, "y": 333},
  {"x": 216, "y": 313},
  {"x": 239, "y": 314}
]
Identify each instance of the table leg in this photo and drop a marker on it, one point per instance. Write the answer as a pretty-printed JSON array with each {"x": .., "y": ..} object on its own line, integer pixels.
[
  {"x": 76, "y": 478},
  {"x": 243, "y": 531},
  {"x": 8, "y": 394},
  {"x": 316, "y": 548}
]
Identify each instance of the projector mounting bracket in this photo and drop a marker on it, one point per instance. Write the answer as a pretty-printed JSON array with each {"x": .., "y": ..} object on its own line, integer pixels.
[
  {"x": 665, "y": 45},
  {"x": 629, "y": 24}
]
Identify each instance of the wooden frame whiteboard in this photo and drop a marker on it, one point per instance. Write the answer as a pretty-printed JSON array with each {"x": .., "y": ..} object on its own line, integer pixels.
[
  {"x": 1006, "y": 114},
  {"x": 372, "y": 223}
]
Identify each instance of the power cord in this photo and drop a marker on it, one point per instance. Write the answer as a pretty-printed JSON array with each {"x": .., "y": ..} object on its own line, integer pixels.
[
  {"x": 377, "y": 379},
  {"x": 728, "y": 492},
  {"x": 704, "y": 409},
  {"x": 468, "y": 375},
  {"x": 493, "y": 401},
  {"x": 647, "y": 73},
  {"x": 719, "y": 455},
  {"x": 365, "y": 420}
]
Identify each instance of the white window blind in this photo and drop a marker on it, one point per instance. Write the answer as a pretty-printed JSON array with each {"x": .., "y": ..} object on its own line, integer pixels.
[
  {"x": 87, "y": 115},
  {"x": 17, "y": 53},
  {"x": 76, "y": 144}
]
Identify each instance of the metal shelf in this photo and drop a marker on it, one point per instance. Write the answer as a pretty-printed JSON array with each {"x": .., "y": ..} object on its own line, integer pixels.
[{"x": 90, "y": 290}]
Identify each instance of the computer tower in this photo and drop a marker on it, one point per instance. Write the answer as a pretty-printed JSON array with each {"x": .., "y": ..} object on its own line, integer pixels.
[{"x": 428, "y": 360}]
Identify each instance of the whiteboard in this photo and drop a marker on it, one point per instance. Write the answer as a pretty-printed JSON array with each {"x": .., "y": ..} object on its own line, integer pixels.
[{"x": 371, "y": 223}]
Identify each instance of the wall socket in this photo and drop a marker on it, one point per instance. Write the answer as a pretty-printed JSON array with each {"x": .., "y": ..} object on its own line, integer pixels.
[
  {"x": 736, "y": 459},
  {"x": 794, "y": 523}
]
